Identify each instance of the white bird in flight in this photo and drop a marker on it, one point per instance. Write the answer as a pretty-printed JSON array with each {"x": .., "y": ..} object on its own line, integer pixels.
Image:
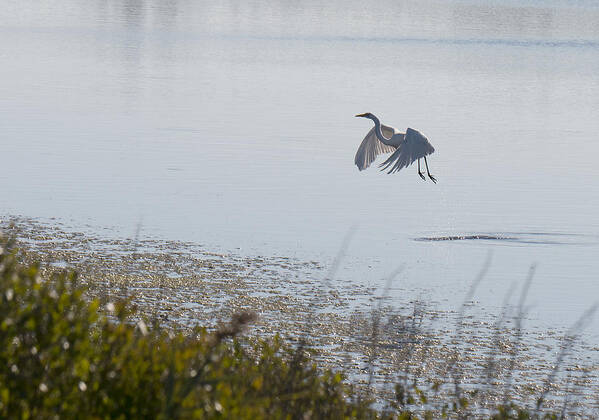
[{"x": 406, "y": 148}]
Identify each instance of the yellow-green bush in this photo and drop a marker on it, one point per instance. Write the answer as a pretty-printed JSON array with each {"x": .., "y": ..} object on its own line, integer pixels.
[{"x": 63, "y": 357}]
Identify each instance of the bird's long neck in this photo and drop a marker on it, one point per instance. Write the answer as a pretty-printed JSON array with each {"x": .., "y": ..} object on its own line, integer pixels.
[{"x": 379, "y": 131}]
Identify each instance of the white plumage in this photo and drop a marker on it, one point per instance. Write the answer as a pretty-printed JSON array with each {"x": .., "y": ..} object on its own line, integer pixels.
[
  {"x": 405, "y": 148},
  {"x": 371, "y": 147},
  {"x": 414, "y": 146}
]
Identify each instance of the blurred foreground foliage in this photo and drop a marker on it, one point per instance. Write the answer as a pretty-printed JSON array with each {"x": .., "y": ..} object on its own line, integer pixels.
[{"x": 63, "y": 356}]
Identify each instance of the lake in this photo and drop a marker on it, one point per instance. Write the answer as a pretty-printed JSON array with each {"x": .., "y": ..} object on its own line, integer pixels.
[{"x": 231, "y": 124}]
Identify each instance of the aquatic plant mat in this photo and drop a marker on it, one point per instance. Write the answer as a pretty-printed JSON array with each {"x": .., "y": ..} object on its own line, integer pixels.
[{"x": 407, "y": 353}]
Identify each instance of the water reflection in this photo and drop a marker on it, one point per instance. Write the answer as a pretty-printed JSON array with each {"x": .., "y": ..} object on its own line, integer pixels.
[
  {"x": 499, "y": 21},
  {"x": 231, "y": 124}
]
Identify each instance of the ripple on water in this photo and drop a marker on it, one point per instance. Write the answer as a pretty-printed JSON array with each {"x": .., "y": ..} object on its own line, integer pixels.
[{"x": 540, "y": 238}]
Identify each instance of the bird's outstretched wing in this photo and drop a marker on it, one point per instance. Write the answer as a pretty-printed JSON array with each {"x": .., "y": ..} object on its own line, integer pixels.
[
  {"x": 414, "y": 147},
  {"x": 371, "y": 147}
]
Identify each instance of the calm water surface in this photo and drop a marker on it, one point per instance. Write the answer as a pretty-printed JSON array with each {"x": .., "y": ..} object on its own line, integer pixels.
[{"x": 231, "y": 124}]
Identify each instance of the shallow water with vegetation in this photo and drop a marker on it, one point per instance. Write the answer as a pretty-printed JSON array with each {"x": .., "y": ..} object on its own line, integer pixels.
[{"x": 372, "y": 338}]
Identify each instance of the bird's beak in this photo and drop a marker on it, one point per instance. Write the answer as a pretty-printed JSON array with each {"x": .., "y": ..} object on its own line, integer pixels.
[{"x": 361, "y": 115}]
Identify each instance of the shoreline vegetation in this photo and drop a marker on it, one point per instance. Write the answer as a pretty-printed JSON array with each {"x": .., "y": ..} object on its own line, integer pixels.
[{"x": 159, "y": 330}]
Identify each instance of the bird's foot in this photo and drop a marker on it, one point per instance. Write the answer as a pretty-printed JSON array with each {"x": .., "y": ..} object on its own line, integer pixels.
[
  {"x": 422, "y": 176},
  {"x": 432, "y": 178}
]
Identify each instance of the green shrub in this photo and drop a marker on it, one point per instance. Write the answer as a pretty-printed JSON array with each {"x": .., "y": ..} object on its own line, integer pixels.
[{"x": 64, "y": 357}]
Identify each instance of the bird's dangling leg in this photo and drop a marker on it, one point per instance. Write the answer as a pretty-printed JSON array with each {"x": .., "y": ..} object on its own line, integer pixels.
[
  {"x": 428, "y": 173},
  {"x": 419, "y": 172}
]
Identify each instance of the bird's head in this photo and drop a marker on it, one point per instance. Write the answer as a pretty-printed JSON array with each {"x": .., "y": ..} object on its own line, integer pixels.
[{"x": 366, "y": 115}]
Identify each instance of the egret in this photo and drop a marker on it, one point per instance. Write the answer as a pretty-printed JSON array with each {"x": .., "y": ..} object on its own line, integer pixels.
[{"x": 405, "y": 148}]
